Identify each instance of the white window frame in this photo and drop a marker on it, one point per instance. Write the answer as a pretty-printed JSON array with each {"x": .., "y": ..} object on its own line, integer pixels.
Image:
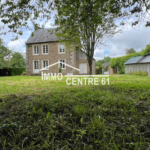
[
  {"x": 42, "y": 49},
  {"x": 59, "y": 49},
  {"x": 59, "y": 63},
  {"x": 33, "y": 64},
  {"x": 33, "y": 49},
  {"x": 43, "y": 64}
]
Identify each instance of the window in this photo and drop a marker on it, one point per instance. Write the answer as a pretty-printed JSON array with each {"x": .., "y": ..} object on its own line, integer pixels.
[
  {"x": 61, "y": 49},
  {"x": 45, "y": 49},
  {"x": 63, "y": 66},
  {"x": 36, "y": 64},
  {"x": 45, "y": 63},
  {"x": 36, "y": 50}
]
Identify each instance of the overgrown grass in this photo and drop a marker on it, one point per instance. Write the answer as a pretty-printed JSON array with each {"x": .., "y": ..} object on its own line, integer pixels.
[
  {"x": 110, "y": 117},
  {"x": 33, "y": 85}
]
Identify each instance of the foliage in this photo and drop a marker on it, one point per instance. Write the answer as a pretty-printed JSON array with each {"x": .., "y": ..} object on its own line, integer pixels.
[
  {"x": 119, "y": 62},
  {"x": 60, "y": 70},
  {"x": 17, "y": 71},
  {"x": 146, "y": 51},
  {"x": 106, "y": 59},
  {"x": 24, "y": 73},
  {"x": 106, "y": 117},
  {"x": 5, "y": 54},
  {"x": 84, "y": 30},
  {"x": 17, "y": 60},
  {"x": 130, "y": 51},
  {"x": 98, "y": 70},
  {"x": 18, "y": 14},
  {"x": 140, "y": 73}
]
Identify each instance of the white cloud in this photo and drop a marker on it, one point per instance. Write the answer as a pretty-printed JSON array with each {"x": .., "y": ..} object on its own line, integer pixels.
[
  {"x": 130, "y": 37},
  {"x": 17, "y": 46}
]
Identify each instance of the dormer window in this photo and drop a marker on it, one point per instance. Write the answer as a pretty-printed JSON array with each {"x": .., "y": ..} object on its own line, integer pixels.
[
  {"x": 61, "y": 49},
  {"x": 35, "y": 50}
]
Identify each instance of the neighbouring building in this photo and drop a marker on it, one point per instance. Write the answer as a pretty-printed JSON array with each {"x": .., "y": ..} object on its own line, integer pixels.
[
  {"x": 44, "y": 49},
  {"x": 109, "y": 69},
  {"x": 136, "y": 64}
]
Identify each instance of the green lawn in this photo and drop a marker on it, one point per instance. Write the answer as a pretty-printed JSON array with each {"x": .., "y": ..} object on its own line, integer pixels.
[
  {"x": 33, "y": 85},
  {"x": 50, "y": 115}
]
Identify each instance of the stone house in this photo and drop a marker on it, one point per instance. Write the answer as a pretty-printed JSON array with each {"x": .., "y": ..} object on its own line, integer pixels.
[{"x": 44, "y": 49}]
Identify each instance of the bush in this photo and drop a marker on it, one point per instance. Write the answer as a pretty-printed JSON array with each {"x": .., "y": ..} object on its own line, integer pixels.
[
  {"x": 24, "y": 73},
  {"x": 59, "y": 69},
  {"x": 17, "y": 71},
  {"x": 139, "y": 73},
  {"x": 98, "y": 70}
]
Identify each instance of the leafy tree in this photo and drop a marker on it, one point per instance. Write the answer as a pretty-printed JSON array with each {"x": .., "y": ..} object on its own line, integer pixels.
[
  {"x": 100, "y": 62},
  {"x": 146, "y": 51},
  {"x": 84, "y": 24},
  {"x": 18, "y": 14},
  {"x": 17, "y": 60},
  {"x": 130, "y": 51},
  {"x": 5, "y": 54}
]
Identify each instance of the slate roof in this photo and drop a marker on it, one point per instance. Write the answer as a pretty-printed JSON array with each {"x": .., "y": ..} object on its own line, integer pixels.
[
  {"x": 138, "y": 60},
  {"x": 106, "y": 64},
  {"x": 42, "y": 36}
]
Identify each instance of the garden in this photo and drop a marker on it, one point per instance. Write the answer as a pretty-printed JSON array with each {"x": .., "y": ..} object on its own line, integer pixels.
[{"x": 44, "y": 115}]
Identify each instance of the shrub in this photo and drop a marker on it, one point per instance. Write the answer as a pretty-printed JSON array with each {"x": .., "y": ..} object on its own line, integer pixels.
[
  {"x": 144, "y": 74},
  {"x": 98, "y": 70},
  {"x": 24, "y": 73},
  {"x": 139, "y": 73},
  {"x": 17, "y": 71},
  {"x": 59, "y": 69}
]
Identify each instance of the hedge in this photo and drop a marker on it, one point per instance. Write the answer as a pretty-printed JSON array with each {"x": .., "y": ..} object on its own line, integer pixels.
[
  {"x": 119, "y": 62},
  {"x": 11, "y": 71},
  {"x": 17, "y": 71}
]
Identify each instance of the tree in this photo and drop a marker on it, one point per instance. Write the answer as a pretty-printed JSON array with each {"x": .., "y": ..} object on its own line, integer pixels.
[
  {"x": 146, "y": 51},
  {"x": 130, "y": 51},
  {"x": 17, "y": 60},
  {"x": 84, "y": 24},
  {"x": 5, "y": 55},
  {"x": 106, "y": 59}
]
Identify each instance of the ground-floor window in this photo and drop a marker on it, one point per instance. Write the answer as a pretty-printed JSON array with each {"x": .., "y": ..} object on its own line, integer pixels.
[
  {"x": 45, "y": 63},
  {"x": 63, "y": 66},
  {"x": 36, "y": 64}
]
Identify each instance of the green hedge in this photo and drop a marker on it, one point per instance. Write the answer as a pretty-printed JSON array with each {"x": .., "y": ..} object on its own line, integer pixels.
[
  {"x": 17, "y": 71},
  {"x": 119, "y": 62}
]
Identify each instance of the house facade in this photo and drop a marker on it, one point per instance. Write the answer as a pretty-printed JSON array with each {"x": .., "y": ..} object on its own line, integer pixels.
[{"x": 44, "y": 49}]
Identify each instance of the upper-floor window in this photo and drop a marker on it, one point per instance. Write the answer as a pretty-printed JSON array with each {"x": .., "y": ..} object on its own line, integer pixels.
[
  {"x": 36, "y": 50},
  {"x": 61, "y": 49},
  {"x": 44, "y": 49}
]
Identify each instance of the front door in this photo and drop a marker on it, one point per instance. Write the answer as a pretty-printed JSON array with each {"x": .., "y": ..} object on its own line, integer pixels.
[
  {"x": 36, "y": 69},
  {"x": 83, "y": 68}
]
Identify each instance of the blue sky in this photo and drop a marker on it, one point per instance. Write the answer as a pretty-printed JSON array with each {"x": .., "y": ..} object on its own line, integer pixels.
[{"x": 137, "y": 38}]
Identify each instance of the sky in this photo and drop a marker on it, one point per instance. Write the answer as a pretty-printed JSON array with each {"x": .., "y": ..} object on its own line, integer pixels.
[{"x": 130, "y": 37}]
